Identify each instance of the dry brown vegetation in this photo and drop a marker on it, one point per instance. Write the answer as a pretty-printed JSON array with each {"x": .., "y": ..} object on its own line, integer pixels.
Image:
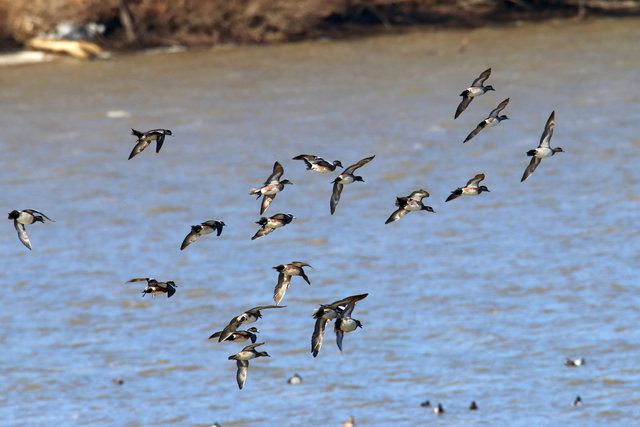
[{"x": 133, "y": 23}]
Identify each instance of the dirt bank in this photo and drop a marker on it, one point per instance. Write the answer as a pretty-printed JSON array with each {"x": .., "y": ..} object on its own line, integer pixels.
[{"x": 143, "y": 23}]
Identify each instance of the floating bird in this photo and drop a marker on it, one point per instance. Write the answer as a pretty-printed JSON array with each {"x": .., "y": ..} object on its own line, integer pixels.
[
  {"x": 346, "y": 177},
  {"x": 206, "y": 227},
  {"x": 476, "y": 89},
  {"x": 351, "y": 422},
  {"x": 248, "y": 316},
  {"x": 145, "y": 138},
  {"x": 242, "y": 361},
  {"x": 473, "y": 406},
  {"x": 575, "y": 362},
  {"x": 154, "y": 287},
  {"x": 425, "y": 404},
  {"x": 26, "y": 217},
  {"x": 271, "y": 187},
  {"x": 471, "y": 189},
  {"x": 295, "y": 379},
  {"x": 270, "y": 224},
  {"x": 491, "y": 121},
  {"x": 544, "y": 149},
  {"x": 328, "y": 312},
  {"x": 578, "y": 401},
  {"x": 239, "y": 336},
  {"x": 411, "y": 203},
  {"x": 438, "y": 409},
  {"x": 318, "y": 164},
  {"x": 284, "y": 278}
]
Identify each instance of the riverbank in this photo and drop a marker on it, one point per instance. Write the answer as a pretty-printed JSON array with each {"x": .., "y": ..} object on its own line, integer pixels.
[{"x": 134, "y": 24}]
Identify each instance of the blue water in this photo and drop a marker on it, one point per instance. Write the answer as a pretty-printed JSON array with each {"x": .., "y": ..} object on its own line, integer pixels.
[{"x": 483, "y": 300}]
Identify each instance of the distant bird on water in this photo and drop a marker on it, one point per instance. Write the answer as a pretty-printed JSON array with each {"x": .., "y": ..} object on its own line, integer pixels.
[
  {"x": 476, "y": 89},
  {"x": 575, "y": 362},
  {"x": 411, "y": 203},
  {"x": 206, "y": 227},
  {"x": 155, "y": 288},
  {"x": 26, "y": 217},
  {"x": 272, "y": 186},
  {"x": 145, "y": 138},
  {"x": 493, "y": 120},
  {"x": 351, "y": 422},
  {"x": 318, "y": 164},
  {"x": 270, "y": 224},
  {"x": 242, "y": 361},
  {"x": 284, "y": 278},
  {"x": 544, "y": 149},
  {"x": 473, "y": 188},
  {"x": 346, "y": 177}
]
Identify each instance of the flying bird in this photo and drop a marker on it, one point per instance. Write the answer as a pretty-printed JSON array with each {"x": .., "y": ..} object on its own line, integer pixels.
[
  {"x": 407, "y": 204},
  {"x": 271, "y": 187},
  {"x": 493, "y": 120},
  {"x": 471, "y": 189},
  {"x": 239, "y": 336},
  {"x": 270, "y": 224},
  {"x": 346, "y": 177},
  {"x": 145, "y": 138},
  {"x": 248, "y": 316},
  {"x": 318, "y": 164},
  {"x": 242, "y": 361},
  {"x": 156, "y": 288},
  {"x": 206, "y": 227},
  {"x": 26, "y": 217},
  {"x": 284, "y": 278},
  {"x": 476, "y": 89},
  {"x": 544, "y": 149},
  {"x": 328, "y": 312}
]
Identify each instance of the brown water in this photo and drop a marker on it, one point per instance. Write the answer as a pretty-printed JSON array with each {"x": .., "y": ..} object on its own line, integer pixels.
[{"x": 482, "y": 300}]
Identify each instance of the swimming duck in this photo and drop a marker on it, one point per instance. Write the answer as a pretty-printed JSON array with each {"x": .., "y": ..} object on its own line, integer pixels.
[
  {"x": 411, "y": 203},
  {"x": 295, "y": 379},
  {"x": 578, "y": 401},
  {"x": 346, "y": 177},
  {"x": 154, "y": 287},
  {"x": 493, "y": 120},
  {"x": 575, "y": 362},
  {"x": 473, "y": 406},
  {"x": 284, "y": 278},
  {"x": 145, "y": 138},
  {"x": 471, "y": 189},
  {"x": 270, "y": 224},
  {"x": 206, "y": 227},
  {"x": 351, "y": 422},
  {"x": 248, "y": 316},
  {"x": 544, "y": 149},
  {"x": 328, "y": 312},
  {"x": 476, "y": 89},
  {"x": 239, "y": 336},
  {"x": 318, "y": 164},
  {"x": 242, "y": 361},
  {"x": 26, "y": 217},
  {"x": 438, "y": 409},
  {"x": 271, "y": 187}
]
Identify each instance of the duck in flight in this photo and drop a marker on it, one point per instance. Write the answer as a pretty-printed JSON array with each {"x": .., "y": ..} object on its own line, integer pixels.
[
  {"x": 242, "y": 361},
  {"x": 206, "y": 227},
  {"x": 544, "y": 149},
  {"x": 477, "y": 88},
  {"x": 248, "y": 316},
  {"x": 318, "y": 164},
  {"x": 493, "y": 120},
  {"x": 26, "y": 217},
  {"x": 473, "y": 188},
  {"x": 239, "y": 336},
  {"x": 156, "y": 288},
  {"x": 270, "y": 224},
  {"x": 272, "y": 186},
  {"x": 407, "y": 204},
  {"x": 145, "y": 138},
  {"x": 346, "y": 177},
  {"x": 284, "y": 278},
  {"x": 328, "y": 312}
]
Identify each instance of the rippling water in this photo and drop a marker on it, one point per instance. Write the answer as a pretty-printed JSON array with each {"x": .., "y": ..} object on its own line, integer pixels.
[{"x": 482, "y": 300}]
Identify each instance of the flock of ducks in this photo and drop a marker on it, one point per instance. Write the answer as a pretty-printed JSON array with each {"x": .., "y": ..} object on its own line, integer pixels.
[{"x": 340, "y": 311}]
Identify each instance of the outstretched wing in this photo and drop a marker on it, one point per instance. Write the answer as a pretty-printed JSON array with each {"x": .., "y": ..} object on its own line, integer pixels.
[
  {"x": 355, "y": 166},
  {"x": 500, "y": 107},
  {"x": 241, "y": 375},
  {"x": 473, "y": 182},
  {"x": 335, "y": 196},
  {"x": 474, "y": 132},
  {"x": 22, "y": 234},
  {"x": 284, "y": 280},
  {"x": 189, "y": 239},
  {"x": 533, "y": 164},
  {"x": 318, "y": 335},
  {"x": 396, "y": 215},
  {"x": 481, "y": 78},
  {"x": 266, "y": 201},
  {"x": 140, "y": 146},
  {"x": 159, "y": 141},
  {"x": 278, "y": 170},
  {"x": 545, "y": 139},
  {"x": 466, "y": 100}
]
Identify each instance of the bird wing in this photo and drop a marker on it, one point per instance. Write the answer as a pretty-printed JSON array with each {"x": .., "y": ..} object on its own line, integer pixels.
[
  {"x": 263, "y": 307},
  {"x": 266, "y": 201},
  {"x": 318, "y": 335},
  {"x": 300, "y": 264},
  {"x": 159, "y": 141},
  {"x": 140, "y": 279},
  {"x": 284, "y": 280},
  {"x": 396, "y": 215},
  {"x": 307, "y": 157},
  {"x": 278, "y": 170},
  {"x": 229, "y": 329},
  {"x": 189, "y": 239},
  {"x": 482, "y": 77},
  {"x": 217, "y": 225},
  {"x": 141, "y": 145},
  {"x": 33, "y": 211},
  {"x": 474, "y": 132},
  {"x": 335, "y": 196},
  {"x": 252, "y": 346},
  {"x": 339, "y": 336},
  {"x": 473, "y": 182},
  {"x": 355, "y": 166},
  {"x": 466, "y": 100},
  {"x": 241, "y": 375},
  {"x": 347, "y": 300},
  {"x": 454, "y": 194},
  {"x": 545, "y": 139},
  {"x": 533, "y": 164},
  {"x": 215, "y": 335},
  {"x": 262, "y": 232},
  {"x": 22, "y": 234},
  {"x": 419, "y": 195},
  {"x": 496, "y": 111}
]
